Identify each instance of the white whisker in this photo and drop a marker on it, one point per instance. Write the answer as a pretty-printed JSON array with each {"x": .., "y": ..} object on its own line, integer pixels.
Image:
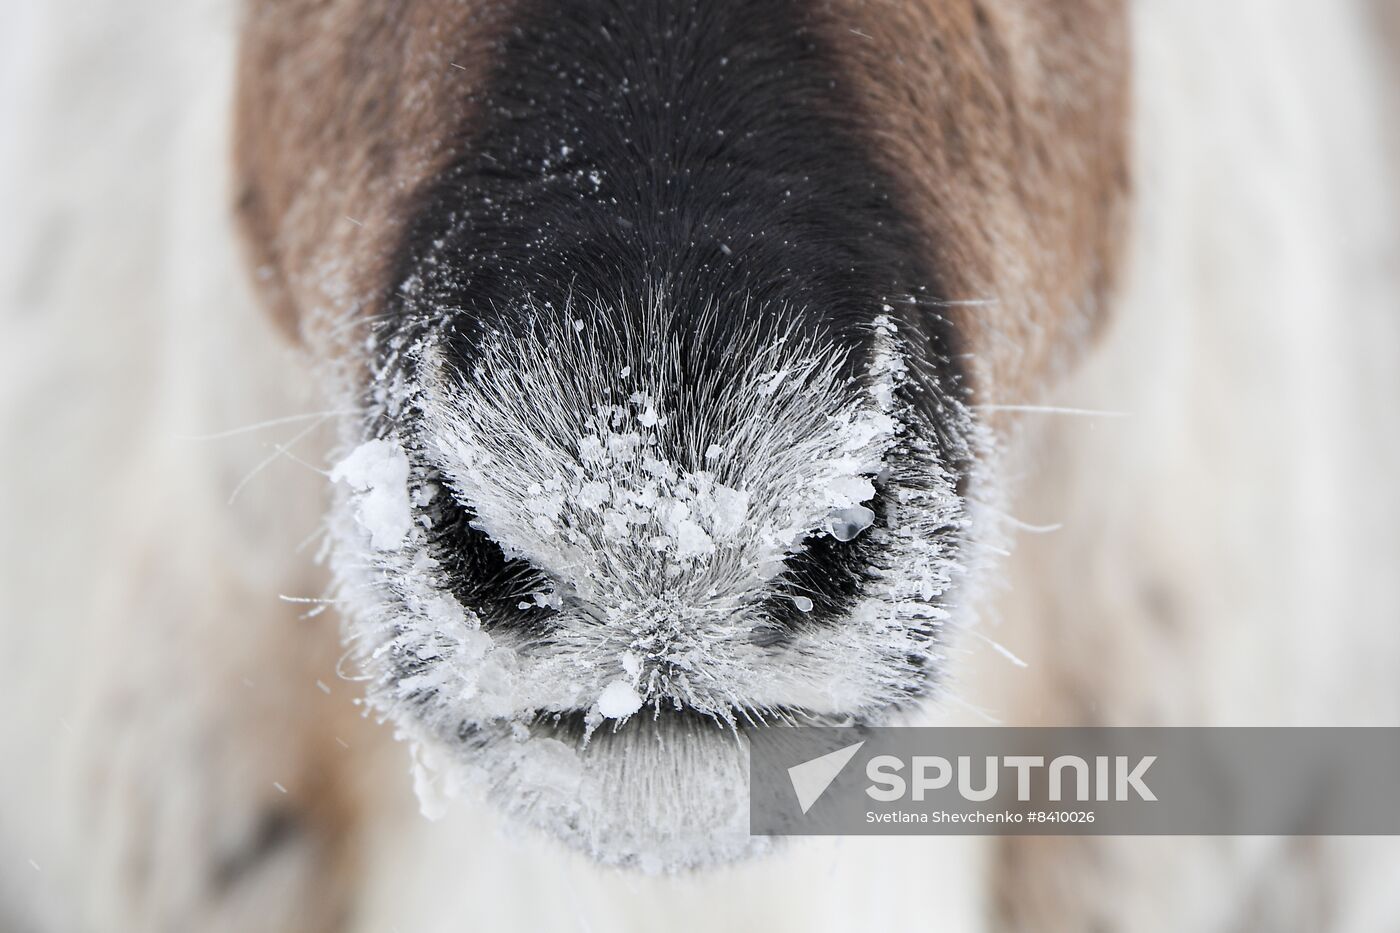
[
  {"x": 1019, "y": 523},
  {"x": 321, "y": 531},
  {"x": 278, "y": 451},
  {"x": 958, "y": 700},
  {"x": 1052, "y": 410},
  {"x": 271, "y": 423},
  {"x": 1000, "y": 649}
]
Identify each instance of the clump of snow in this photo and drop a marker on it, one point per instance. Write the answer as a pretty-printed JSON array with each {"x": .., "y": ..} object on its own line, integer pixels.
[
  {"x": 378, "y": 472},
  {"x": 691, "y": 539},
  {"x": 889, "y": 368},
  {"x": 619, "y": 700},
  {"x": 435, "y": 781},
  {"x": 847, "y": 491}
]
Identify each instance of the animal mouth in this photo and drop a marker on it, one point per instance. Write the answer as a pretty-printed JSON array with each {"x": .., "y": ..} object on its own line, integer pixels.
[{"x": 661, "y": 718}]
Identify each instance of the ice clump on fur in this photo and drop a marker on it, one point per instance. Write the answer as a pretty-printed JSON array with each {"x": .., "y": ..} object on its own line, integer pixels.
[
  {"x": 378, "y": 471},
  {"x": 847, "y": 524},
  {"x": 619, "y": 700}
]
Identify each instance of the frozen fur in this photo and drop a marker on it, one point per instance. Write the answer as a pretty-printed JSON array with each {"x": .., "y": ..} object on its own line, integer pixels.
[{"x": 657, "y": 518}]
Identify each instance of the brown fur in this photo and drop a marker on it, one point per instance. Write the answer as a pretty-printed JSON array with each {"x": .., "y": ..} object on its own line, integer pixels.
[
  {"x": 1007, "y": 123},
  {"x": 343, "y": 109},
  {"x": 1004, "y": 120}
]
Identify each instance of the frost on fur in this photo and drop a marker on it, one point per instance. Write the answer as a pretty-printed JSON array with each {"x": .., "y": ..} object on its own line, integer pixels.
[
  {"x": 658, "y": 509},
  {"x": 378, "y": 470}
]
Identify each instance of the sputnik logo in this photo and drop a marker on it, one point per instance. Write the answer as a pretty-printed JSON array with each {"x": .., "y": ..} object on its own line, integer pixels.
[{"x": 811, "y": 778}]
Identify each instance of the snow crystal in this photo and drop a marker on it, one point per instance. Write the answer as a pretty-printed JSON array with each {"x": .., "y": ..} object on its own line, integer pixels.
[
  {"x": 727, "y": 509},
  {"x": 623, "y": 447},
  {"x": 619, "y": 700},
  {"x": 378, "y": 471},
  {"x": 691, "y": 540},
  {"x": 590, "y": 449},
  {"x": 847, "y": 491},
  {"x": 847, "y": 524},
  {"x": 592, "y": 494}
]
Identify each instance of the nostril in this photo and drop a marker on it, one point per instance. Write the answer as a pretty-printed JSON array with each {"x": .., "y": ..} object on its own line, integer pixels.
[{"x": 502, "y": 591}]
